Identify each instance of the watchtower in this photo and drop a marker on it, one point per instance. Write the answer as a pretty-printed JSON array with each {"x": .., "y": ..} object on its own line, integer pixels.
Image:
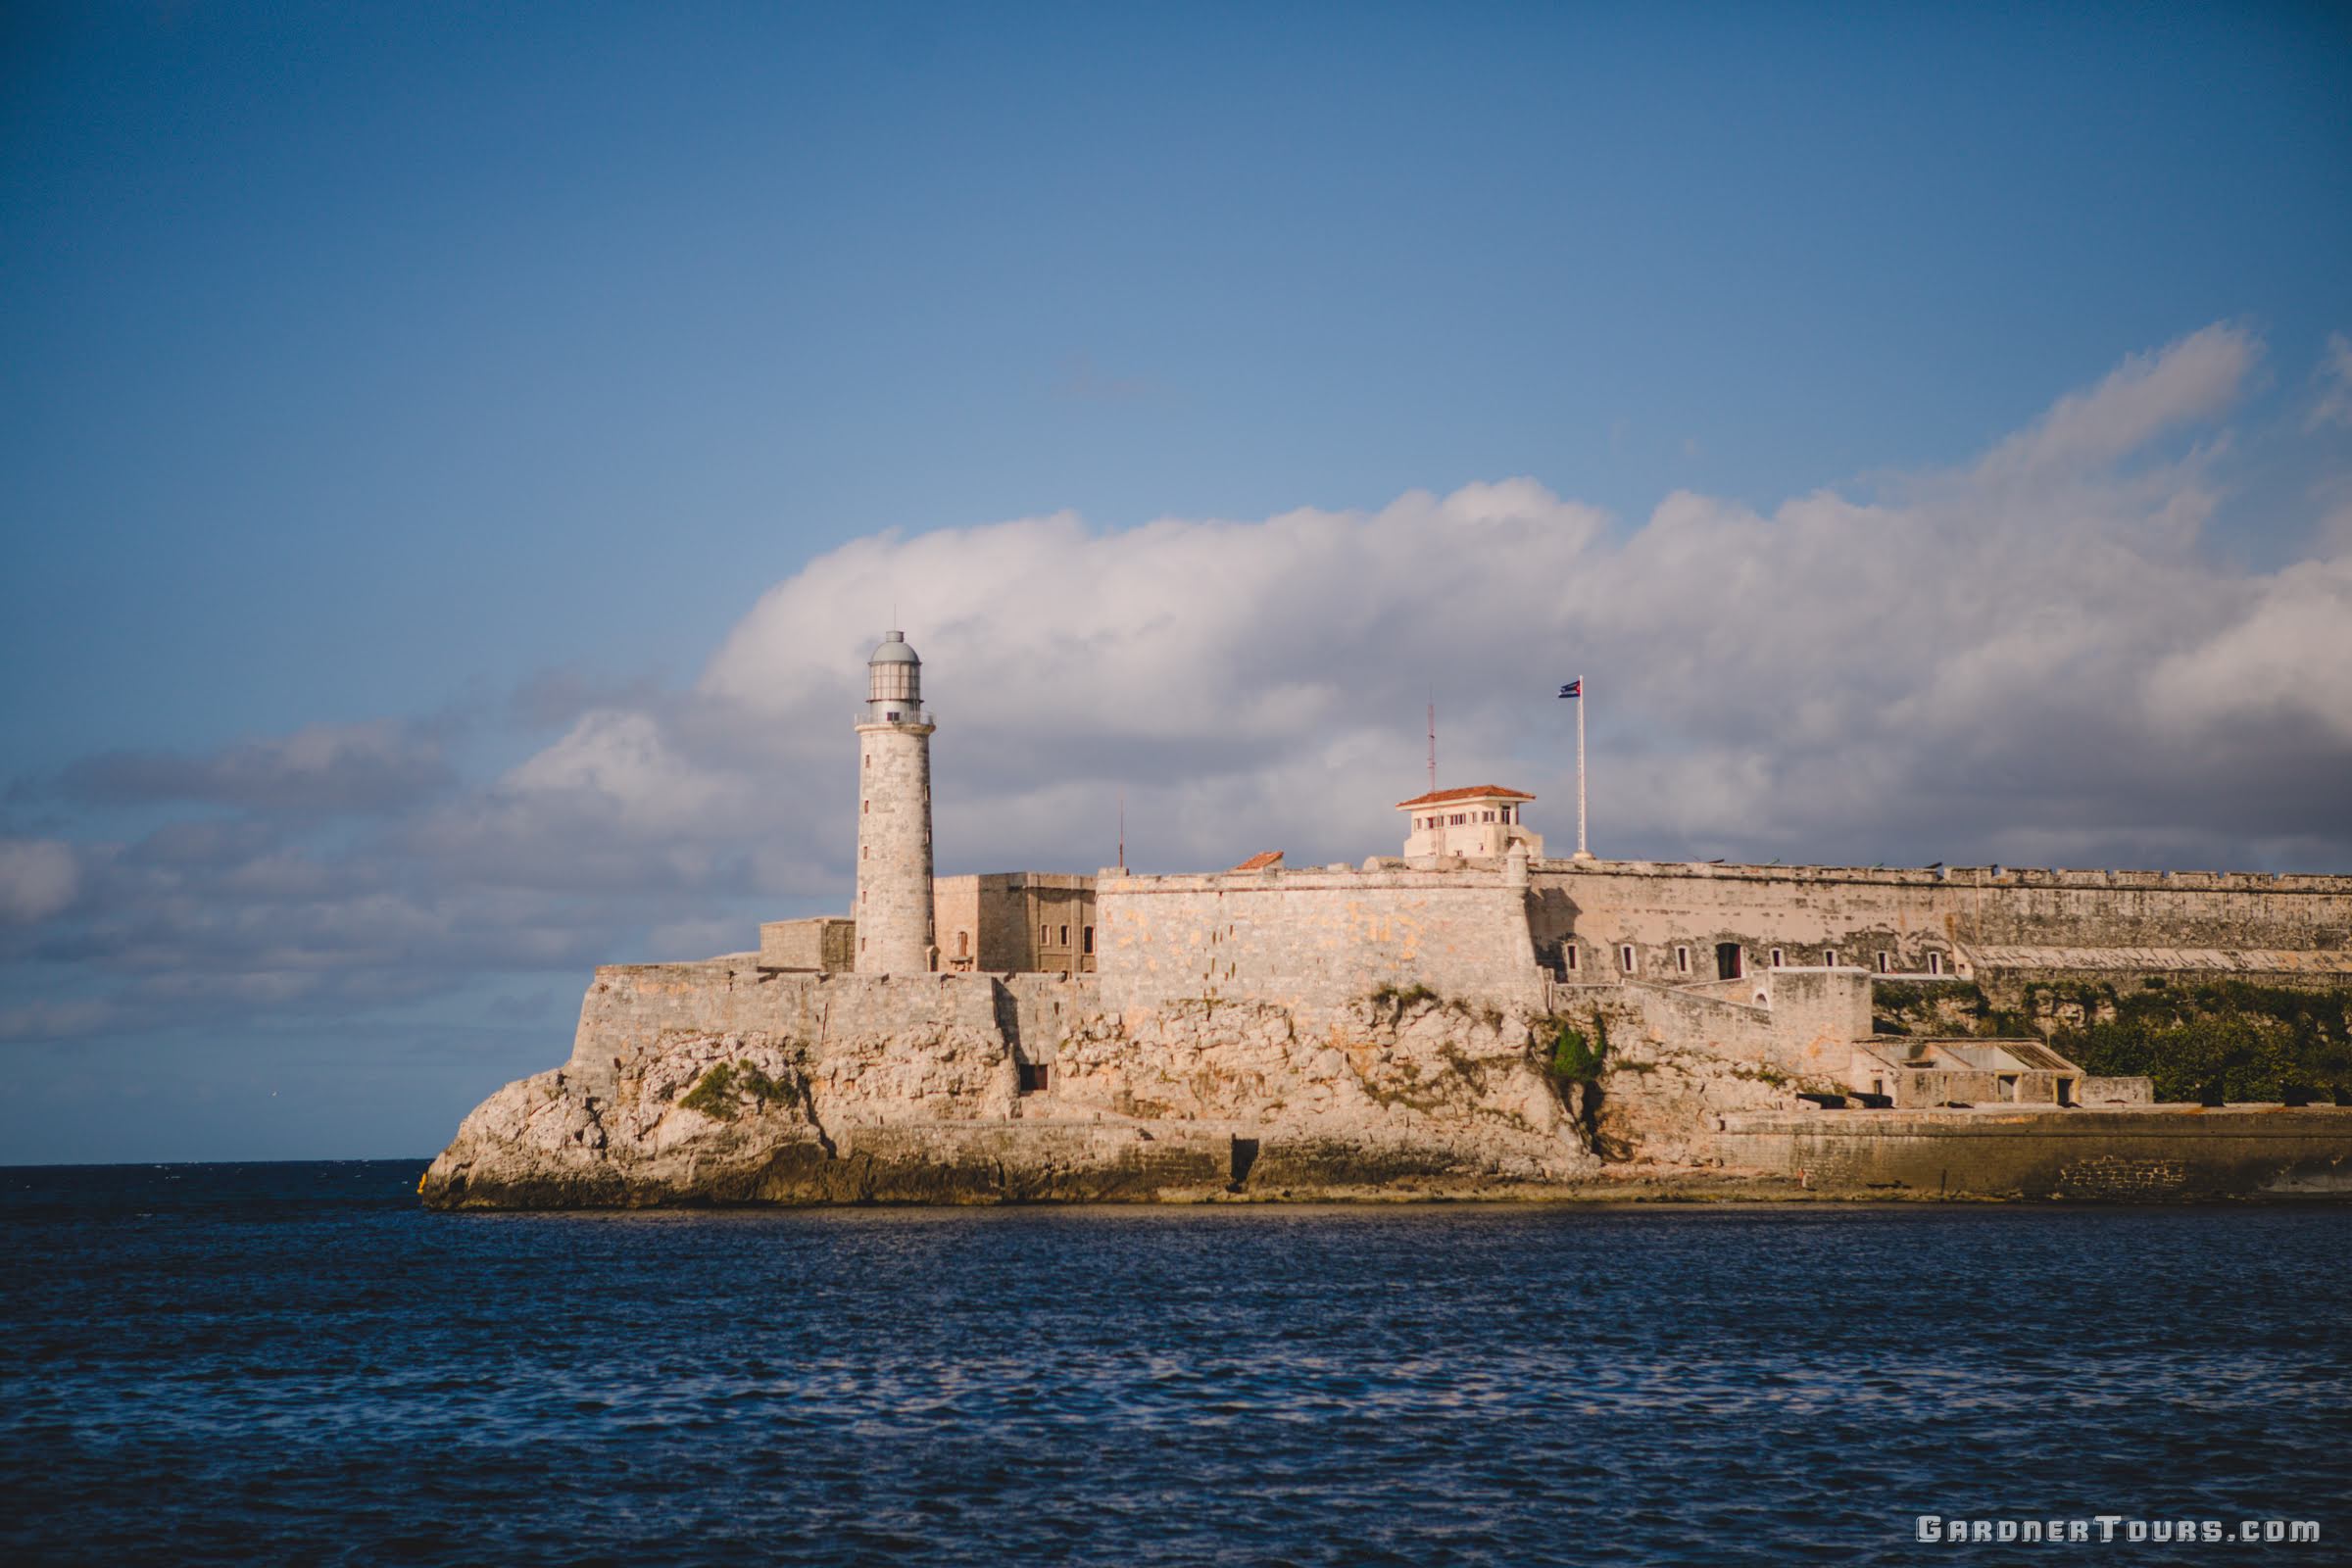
[{"x": 894, "y": 910}]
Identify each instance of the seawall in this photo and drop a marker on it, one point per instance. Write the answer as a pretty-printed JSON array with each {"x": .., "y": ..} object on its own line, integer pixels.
[{"x": 2155, "y": 1154}]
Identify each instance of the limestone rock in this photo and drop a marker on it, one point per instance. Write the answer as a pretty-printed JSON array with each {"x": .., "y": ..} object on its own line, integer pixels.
[{"x": 730, "y": 1086}]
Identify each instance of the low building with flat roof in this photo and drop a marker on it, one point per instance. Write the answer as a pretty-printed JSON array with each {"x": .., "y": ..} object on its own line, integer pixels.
[{"x": 1478, "y": 822}]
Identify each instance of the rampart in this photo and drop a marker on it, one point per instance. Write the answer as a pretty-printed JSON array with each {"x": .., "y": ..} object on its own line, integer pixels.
[
  {"x": 1314, "y": 942},
  {"x": 633, "y": 1013},
  {"x": 1397, "y": 1031},
  {"x": 2004, "y": 920},
  {"x": 2141, "y": 1155}
]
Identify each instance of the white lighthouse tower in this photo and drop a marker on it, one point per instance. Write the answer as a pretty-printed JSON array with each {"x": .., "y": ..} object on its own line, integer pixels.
[{"x": 894, "y": 910}]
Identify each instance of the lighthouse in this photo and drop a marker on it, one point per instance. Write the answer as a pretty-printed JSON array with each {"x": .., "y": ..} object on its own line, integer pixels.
[{"x": 894, "y": 910}]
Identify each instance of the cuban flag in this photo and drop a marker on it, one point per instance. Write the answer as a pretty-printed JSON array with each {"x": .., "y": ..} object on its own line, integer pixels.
[{"x": 1574, "y": 688}]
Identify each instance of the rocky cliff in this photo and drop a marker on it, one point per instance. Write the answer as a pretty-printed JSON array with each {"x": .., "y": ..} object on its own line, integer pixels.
[{"x": 725, "y": 1083}]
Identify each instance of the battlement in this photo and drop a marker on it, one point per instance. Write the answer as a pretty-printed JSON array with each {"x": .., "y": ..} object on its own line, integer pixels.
[
  {"x": 1379, "y": 873},
  {"x": 1983, "y": 876}
]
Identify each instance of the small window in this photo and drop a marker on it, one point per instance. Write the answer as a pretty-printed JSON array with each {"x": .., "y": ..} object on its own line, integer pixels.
[
  {"x": 866, "y": 808},
  {"x": 866, "y": 851},
  {"x": 862, "y": 944},
  {"x": 1065, "y": 936},
  {"x": 1829, "y": 957},
  {"x": 1569, "y": 953},
  {"x": 1625, "y": 957},
  {"x": 1885, "y": 966},
  {"x": 1045, "y": 936},
  {"x": 1776, "y": 958},
  {"x": 1681, "y": 961},
  {"x": 1934, "y": 964},
  {"x": 1089, "y": 935},
  {"x": 894, "y": 719},
  {"x": 963, "y": 944}
]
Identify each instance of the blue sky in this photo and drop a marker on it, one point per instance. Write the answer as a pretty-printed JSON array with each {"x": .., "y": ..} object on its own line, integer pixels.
[{"x": 407, "y": 409}]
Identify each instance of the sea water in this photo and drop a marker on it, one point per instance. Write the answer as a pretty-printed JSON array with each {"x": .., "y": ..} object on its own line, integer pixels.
[{"x": 295, "y": 1362}]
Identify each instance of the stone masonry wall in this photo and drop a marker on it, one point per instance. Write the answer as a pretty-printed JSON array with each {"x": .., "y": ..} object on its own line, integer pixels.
[
  {"x": 824, "y": 941},
  {"x": 1313, "y": 943},
  {"x": 631, "y": 1009},
  {"x": 2133, "y": 1155},
  {"x": 1910, "y": 914}
]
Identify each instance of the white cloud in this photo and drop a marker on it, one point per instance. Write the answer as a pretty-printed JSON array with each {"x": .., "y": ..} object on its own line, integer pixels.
[
  {"x": 54, "y": 1020},
  {"x": 623, "y": 763},
  {"x": 38, "y": 878},
  {"x": 2334, "y": 405},
  {"x": 2040, "y": 618},
  {"x": 2142, "y": 398},
  {"x": 2288, "y": 654},
  {"x": 322, "y": 768},
  {"x": 2029, "y": 656}
]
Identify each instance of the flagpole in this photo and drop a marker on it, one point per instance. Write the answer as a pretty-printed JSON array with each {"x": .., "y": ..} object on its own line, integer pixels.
[{"x": 1582, "y": 853}]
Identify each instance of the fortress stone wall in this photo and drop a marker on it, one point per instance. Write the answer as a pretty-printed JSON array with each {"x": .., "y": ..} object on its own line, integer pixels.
[
  {"x": 1431, "y": 1026},
  {"x": 1958, "y": 919},
  {"x": 1016, "y": 920},
  {"x": 2136, "y": 1156},
  {"x": 1314, "y": 942}
]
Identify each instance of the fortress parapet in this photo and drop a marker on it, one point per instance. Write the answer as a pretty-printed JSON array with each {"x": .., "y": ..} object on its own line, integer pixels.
[
  {"x": 1471, "y": 1019},
  {"x": 1680, "y": 922},
  {"x": 1315, "y": 941}
]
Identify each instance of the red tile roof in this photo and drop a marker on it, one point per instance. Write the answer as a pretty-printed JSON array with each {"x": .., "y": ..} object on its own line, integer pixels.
[
  {"x": 1261, "y": 862},
  {"x": 1474, "y": 792}
]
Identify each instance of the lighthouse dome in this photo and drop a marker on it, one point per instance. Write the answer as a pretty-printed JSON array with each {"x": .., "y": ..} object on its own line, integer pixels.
[{"x": 894, "y": 679}]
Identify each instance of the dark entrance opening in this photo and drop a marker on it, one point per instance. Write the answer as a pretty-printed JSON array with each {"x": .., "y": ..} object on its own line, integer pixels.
[
  {"x": 1036, "y": 1076},
  {"x": 1245, "y": 1155},
  {"x": 1728, "y": 962}
]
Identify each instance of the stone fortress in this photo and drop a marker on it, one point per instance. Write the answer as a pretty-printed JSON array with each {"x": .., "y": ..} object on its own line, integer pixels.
[{"x": 1468, "y": 1018}]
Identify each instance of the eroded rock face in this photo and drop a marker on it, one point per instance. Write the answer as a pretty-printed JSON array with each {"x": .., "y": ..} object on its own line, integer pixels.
[
  {"x": 1660, "y": 1103},
  {"x": 854, "y": 1090}
]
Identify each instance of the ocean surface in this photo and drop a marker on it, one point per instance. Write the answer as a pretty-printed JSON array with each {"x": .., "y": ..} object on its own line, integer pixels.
[{"x": 263, "y": 1363}]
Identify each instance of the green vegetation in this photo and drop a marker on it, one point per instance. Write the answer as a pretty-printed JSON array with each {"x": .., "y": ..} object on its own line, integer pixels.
[
  {"x": 2216, "y": 1041},
  {"x": 1577, "y": 1059},
  {"x": 1941, "y": 1008},
  {"x": 720, "y": 1093},
  {"x": 2219, "y": 1041}
]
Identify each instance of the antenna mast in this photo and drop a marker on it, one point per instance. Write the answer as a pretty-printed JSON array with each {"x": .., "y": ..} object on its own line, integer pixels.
[{"x": 1432, "y": 748}]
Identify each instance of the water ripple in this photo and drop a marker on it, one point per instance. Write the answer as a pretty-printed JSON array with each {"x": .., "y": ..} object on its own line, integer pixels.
[{"x": 237, "y": 1365}]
